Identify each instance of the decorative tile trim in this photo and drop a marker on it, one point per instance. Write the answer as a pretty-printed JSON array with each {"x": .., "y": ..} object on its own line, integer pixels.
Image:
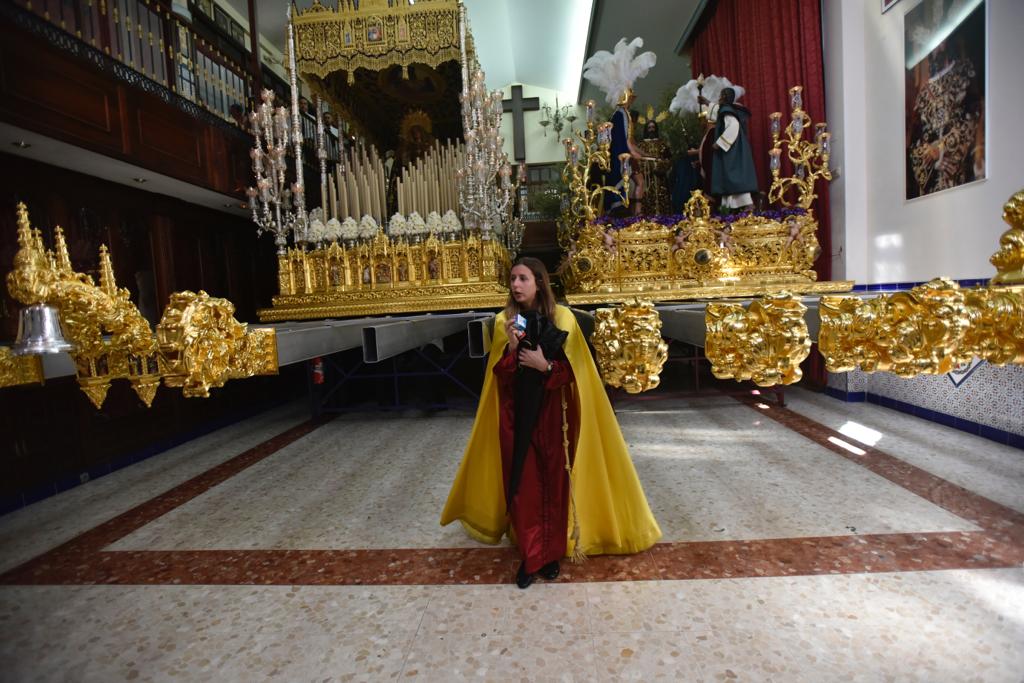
[
  {"x": 847, "y": 396},
  {"x": 985, "y": 431},
  {"x": 900, "y": 286},
  {"x": 83, "y": 560}
]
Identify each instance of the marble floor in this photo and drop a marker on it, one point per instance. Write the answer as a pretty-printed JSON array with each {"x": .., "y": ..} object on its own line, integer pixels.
[{"x": 818, "y": 542}]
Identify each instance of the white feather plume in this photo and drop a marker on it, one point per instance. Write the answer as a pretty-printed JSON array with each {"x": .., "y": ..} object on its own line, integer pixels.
[
  {"x": 686, "y": 96},
  {"x": 615, "y": 72}
]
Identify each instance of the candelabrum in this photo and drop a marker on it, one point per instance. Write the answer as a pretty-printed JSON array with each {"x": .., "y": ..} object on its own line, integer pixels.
[
  {"x": 271, "y": 200},
  {"x": 278, "y": 207},
  {"x": 486, "y": 188},
  {"x": 809, "y": 158},
  {"x": 590, "y": 150},
  {"x": 556, "y": 117}
]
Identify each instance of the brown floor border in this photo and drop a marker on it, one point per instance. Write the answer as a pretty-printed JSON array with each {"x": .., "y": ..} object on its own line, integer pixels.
[{"x": 83, "y": 561}]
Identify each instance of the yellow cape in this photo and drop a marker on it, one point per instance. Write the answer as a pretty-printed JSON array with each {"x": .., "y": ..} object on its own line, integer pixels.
[{"x": 613, "y": 512}]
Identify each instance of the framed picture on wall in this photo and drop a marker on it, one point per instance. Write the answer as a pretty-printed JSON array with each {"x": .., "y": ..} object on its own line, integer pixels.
[
  {"x": 945, "y": 60},
  {"x": 887, "y": 5},
  {"x": 238, "y": 33},
  {"x": 221, "y": 18},
  {"x": 206, "y": 7}
]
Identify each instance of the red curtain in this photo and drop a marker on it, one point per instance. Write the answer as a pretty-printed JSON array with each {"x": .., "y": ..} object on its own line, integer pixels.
[{"x": 768, "y": 46}]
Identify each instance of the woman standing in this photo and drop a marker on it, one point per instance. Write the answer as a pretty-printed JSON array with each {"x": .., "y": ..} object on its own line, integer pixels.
[{"x": 546, "y": 462}]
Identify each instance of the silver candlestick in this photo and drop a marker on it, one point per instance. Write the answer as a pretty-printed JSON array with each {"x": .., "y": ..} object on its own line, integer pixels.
[
  {"x": 271, "y": 199},
  {"x": 301, "y": 225},
  {"x": 486, "y": 189}
]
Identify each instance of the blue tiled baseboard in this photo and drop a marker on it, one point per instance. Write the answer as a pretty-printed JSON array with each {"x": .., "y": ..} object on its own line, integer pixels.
[
  {"x": 891, "y": 286},
  {"x": 997, "y": 435},
  {"x": 52, "y": 488},
  {"x": 848, "y": 396}
]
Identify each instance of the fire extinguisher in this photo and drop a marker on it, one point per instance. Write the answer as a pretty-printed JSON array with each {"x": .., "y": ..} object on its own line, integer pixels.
[{"x": 317, "y": 366}]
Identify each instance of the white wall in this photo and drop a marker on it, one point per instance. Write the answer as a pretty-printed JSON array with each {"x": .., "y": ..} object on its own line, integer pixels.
[
  {"x": 886, "y": 238},
  {"x": 540, "y": 149}
]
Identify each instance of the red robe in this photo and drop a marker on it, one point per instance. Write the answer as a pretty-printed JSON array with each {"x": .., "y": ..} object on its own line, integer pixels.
[{"x": 539, "y": 512}]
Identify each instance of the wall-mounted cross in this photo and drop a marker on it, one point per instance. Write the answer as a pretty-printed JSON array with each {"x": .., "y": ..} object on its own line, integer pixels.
[{"x": 517, "y": 105}]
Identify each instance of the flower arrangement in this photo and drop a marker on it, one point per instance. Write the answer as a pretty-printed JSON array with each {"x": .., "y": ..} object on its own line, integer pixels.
[
  {"x": 398, "y": 226},
  {"x": 333, "y": 232},
  {"x": 417, "y": 226},
  {"x": 450, "y": 223},
  {"x": 434, "y": 225},
  {"x": 349, "y": 229},
  {"x": 368, "y": 227},
  {"x": 669, "y": 220},
  {"x": 317, "y": 231}
]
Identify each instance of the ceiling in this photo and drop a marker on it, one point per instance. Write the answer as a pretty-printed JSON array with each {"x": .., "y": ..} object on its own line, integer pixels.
[
  {"x": 61, "y": 154},
  {"x": 545, "y": 42},
  {"x": 661, "y": 24},
  {"x": 536, "y": 42}
]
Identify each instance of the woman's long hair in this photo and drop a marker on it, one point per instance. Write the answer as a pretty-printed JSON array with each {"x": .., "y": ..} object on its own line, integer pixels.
[{"x": 545, "y": 298}]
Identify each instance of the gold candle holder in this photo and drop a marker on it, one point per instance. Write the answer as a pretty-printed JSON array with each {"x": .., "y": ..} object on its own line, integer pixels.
[{"x": 808, "y": 157}]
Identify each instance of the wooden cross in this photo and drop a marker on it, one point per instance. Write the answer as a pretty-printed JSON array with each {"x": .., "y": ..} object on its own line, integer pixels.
[{"x": 517, "y": 105}]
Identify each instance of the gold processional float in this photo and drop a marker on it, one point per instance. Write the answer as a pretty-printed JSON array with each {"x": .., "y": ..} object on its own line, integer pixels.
[
  {"x": 198, "y": 344},
  {"x": 450, "y": 244}
]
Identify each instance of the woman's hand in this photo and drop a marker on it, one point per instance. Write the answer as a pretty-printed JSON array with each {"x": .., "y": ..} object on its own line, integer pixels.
[
  {"x": 513, "y": 336},
  {"x": 533, "y": 358}
]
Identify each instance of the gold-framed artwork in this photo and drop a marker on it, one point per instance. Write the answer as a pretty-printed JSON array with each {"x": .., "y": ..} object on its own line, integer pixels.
[{"x": 945, "y": 61}]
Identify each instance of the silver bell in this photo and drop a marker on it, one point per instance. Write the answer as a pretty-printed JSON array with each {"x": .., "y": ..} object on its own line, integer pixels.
[{"x": 39, "y": 332}]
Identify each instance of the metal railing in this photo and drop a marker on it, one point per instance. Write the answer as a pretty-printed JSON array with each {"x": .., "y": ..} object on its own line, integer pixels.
[{"x": 145, "y": 36}]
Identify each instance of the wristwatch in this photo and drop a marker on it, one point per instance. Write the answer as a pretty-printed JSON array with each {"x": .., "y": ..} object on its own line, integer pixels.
[{"x": 550, "y": 367}]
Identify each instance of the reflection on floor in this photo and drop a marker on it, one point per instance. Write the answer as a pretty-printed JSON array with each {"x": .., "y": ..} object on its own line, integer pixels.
[{"x": 820, "y": 542}]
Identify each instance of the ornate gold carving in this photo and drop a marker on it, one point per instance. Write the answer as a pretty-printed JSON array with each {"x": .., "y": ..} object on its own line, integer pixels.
[
  {"x": 202, "y": 346},
  {"x": 1009, "y": 259},
  {"x": 378, "y": 34},
  {"x": 996, "y": 329},
  {"x": 110, "y": 338},
  {"x": 906, "y": 333},
  {"x": 628, "y": 345},
  {"x": 765, "y": 343},
  {"x": 589, "y": 261},
  {"x": 590, "y": 150},
  {"x": 697, "y": 255},
  {"x": 15, "y": 370},
  {"x": 928, "y": 330},
  {"x": 809, "y": 157},
  {"x": 390, "y": 276}
]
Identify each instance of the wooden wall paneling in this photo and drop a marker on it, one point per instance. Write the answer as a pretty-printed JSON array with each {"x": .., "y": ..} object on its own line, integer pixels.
[
  {"x": 188, "y": 266},
  {"x": 47, "y": 93},
  {"x": 240, "y": 164},
  {"x": 50, "y": 92},
  {"x": 161, "y": 237},
  {"x": 170, "y": 141}
]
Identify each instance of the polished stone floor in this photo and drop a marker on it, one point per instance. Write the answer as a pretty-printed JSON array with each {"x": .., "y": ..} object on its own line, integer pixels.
[{"x": 820, "y": 542}]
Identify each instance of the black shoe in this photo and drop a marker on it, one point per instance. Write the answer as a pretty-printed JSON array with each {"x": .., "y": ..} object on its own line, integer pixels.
[
  {"x": 524, "y": 580},
  {"x": 549, "y": 572}
]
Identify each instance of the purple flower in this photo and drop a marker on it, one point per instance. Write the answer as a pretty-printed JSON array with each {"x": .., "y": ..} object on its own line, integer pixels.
[{"x": 670, "y": 220}]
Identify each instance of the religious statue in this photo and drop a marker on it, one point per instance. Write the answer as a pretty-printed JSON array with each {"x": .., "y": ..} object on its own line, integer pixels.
[
  {"x": 615, "y": 73},
  {"x": 654, "y": 165},
  {"x": 733, "y": 177},
  {"x": 679, "y": 241},
  {"x": 416, "y": 137},
  {"x": 701, "y": 96},
  {"x": 609, "y": 240}
]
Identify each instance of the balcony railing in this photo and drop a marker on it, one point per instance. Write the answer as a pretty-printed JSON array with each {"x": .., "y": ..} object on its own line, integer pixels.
[{"x": 146, "y": 37}]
